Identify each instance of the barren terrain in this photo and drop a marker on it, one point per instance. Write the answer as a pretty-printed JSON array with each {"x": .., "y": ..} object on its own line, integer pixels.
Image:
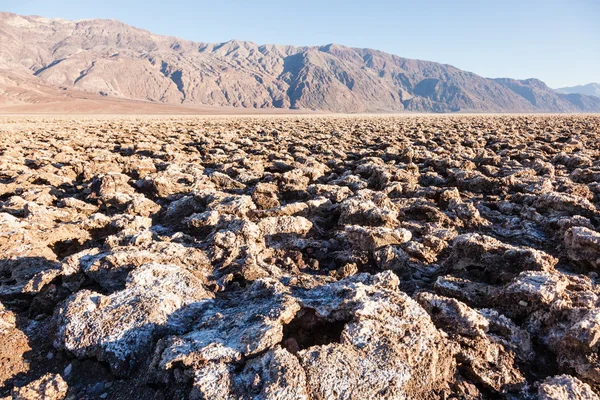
[
  {"x": 294, "y": 257},
  {"x": 116, "y": 62},
  {"x": 21, "y": 94}
]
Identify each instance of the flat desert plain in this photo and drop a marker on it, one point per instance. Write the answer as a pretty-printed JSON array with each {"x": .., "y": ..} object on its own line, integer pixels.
[{"x": 300, "y": 257}]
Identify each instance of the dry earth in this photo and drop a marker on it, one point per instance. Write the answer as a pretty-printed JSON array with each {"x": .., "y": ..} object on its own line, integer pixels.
[{"x": 300, "y": 257}]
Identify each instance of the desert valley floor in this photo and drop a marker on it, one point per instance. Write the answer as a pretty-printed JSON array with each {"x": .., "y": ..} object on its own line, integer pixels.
[{"x": 300, "y": 257}]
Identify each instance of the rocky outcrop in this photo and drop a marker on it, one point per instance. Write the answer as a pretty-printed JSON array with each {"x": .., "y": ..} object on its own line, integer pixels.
[
  {"x": 14, "y": 345},
  {"x": 583, "y": 246},
  {"x": 50, "y": 387},
  {"x": 341, "y": 345},
  {"x": 388, "y": 348},
  {"x": 120, "y": 328},
  {"x": 565, "y": 387}
]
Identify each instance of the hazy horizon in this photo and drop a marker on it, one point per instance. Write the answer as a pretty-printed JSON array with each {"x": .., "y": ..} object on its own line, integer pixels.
[{"x": 549, "y": 40}]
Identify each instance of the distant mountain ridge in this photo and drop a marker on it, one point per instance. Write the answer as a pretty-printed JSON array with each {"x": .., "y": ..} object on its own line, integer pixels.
[
  {"x": 110, "y": 58},
  {"x": 591, "y": 89}
]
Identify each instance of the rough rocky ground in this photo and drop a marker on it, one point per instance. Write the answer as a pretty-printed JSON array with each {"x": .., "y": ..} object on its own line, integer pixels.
[{"x": 450, "y": 257}]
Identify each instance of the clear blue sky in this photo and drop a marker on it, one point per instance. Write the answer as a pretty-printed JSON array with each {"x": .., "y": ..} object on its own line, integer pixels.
[{"x": 556, "y": 41}]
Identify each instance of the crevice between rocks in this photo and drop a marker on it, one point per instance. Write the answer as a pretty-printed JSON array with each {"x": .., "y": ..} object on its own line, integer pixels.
[{"x": 307, "y": 329}]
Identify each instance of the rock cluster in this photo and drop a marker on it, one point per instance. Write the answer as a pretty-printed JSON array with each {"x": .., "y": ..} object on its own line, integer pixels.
[{"x": 300, "y": 257}]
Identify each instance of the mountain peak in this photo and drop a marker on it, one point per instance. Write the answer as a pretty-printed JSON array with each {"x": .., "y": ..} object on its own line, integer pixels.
[{"x": 590, "y": 89}]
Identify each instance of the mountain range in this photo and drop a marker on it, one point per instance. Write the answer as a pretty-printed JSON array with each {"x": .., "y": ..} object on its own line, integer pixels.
[
  {"x": 591, "y": 89},
  {"x": 42, "y": 58}
]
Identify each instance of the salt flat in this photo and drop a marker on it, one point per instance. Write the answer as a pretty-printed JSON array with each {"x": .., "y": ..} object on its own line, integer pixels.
[{"x": 284, "y": 257}]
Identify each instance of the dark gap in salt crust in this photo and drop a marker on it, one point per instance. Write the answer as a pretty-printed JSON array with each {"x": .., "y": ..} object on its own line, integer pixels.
[
  {"x": 484, "y": 390},
  {"x": 308, "y": 329},
  {"x": 6, "y": 196},
  {"x": 65, "y": 248}
]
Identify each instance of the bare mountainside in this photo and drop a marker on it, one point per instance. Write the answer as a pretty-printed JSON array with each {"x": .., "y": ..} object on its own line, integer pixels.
[
  {"x": 113, "y": 59},
  {"x": 591, "y": 89},
  {"x": 24, "y": 94}
]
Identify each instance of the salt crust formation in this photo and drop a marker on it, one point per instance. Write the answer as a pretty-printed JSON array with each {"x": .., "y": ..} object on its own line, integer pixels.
[{"x": 300, "y": 257}]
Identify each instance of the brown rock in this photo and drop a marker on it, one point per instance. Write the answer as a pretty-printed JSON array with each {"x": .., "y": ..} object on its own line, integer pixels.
[{"x": 48, "y": 387}]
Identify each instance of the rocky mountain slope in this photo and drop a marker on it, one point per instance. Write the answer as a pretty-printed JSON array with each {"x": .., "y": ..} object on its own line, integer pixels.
[
  {"x": 591, "y": 89},
  {"x": 21, "y": 93},
  {"x": 110, "y": 58}
]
